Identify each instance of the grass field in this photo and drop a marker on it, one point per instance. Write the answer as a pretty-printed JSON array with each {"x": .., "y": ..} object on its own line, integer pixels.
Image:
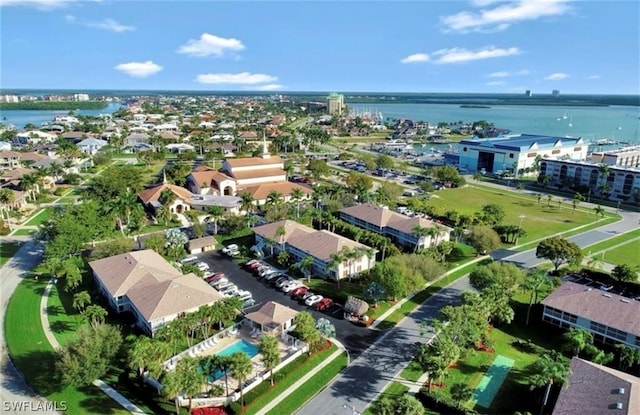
[
  {"x": 67, "y": 200},
  {"x": 307, "y": 390},
  {"x": 43, "y": 215},
  {"x": 539, "y": 221},
  {"x": 617, "y": 249},
  {"x": 24, "y": 232},
  {"x": 34, "y": 357},
  {"x": 63, "y": 319},
  {"x": 7, "y": 251}
]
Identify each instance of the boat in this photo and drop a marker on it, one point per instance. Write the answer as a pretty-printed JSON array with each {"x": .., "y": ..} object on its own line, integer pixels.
[
  {"x": 564, "y": 116},
  {"x": 571, "y": 122}
]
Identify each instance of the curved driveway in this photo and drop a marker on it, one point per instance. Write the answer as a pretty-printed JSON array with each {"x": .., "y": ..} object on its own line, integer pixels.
[{"x": 360, "y": 383}]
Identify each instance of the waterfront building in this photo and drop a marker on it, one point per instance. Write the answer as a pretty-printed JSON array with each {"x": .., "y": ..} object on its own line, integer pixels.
[
  {"x": 401, "y": 229},
  {"x": 145, "y": 284},
  {"x": 516, "y": 153},
  {"x": 257, "y": 176},
  {"x": 625, "y": 157},
  {"x": 613, "y": 181},
  {"x": 611, "y": 318},
  {"x": 81, "y": 97},
  {"x": 300, "y": 241},
  {"x": 335, "y": 104}
]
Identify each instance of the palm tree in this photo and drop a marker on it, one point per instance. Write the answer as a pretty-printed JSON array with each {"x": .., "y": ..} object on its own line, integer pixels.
[
  {"x": 336, "y": 260},
  {"x": 604, "y": 171},
  {"x": 190, "y": 378},
  {"x": 461, "y": 393},
  {"x": 628, "y": 356},
  {"x": 170, "y": 333},
  {"x": 296, "y": 196},
  {"x": 419, "y": 232},
  {"x": 577, "y": 198},
  {"x": 95, "y": 315},
  {"x": 167, "y": 197},
  {"x": 247, "y": 202},
  {"x": 280, "y": 234},
  {"x": 215, "y": 213},
  {"x": 550, "y": 368},
  {"x": 29, "y": 183},
  {"x": 273, "y": 199},
  {"x": 241, "y": 367},
  {"x": 306, "y": 265},
  {"x": 171, "y": 388},
  {"x": 577, "y": 340},
  {"x": 534, "y": 281},
  {"x": 81, "y": 300},
  {"x": 599, "y": 211},
  {"x": 270, "y": 353}
]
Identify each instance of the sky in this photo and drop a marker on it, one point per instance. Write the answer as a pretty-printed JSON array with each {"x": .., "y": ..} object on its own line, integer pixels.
[{"x": 483, "y": 46}]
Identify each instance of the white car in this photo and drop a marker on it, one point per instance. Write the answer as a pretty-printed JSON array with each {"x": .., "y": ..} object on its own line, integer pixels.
[
  {"x": 313, "y": 299},
  {"x": 219, "y": 282},
  {"x": 231, "y": 250},
  {"x": 189, "y": 258},
  {"x": 267, "y": 270},
  {"x": 287, "y": 288},
  {"x": 202, "y": 266}
]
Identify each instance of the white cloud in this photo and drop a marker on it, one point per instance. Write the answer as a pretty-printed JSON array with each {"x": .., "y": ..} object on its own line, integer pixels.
[
  {"x": 495, "y": 83},
  {"x": 245, "y": 78},
  {"x": 504, "y": 15},
  {"x": 501, "y": 74},
  {"x": 38, "y": 4},
  {"x": 459, "y": 55},
  {"x": 592, "y": 77},
  {"x": 139, "y": 69},
  {"x": 209, "y": 44},
  {"x": 106, "y": 24},
  {"x": 268, "y": 87},
  {"x": 558, "y": 76},
  {"x": 416, "y": 57}
]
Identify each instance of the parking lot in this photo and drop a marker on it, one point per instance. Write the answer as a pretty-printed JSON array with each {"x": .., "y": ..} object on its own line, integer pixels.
[{"x": 355, "y": 338}]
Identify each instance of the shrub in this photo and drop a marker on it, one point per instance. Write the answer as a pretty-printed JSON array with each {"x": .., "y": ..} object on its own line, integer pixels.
[
  {"x": 235, "y": 408},
  {"x": 441, "y": 403}
]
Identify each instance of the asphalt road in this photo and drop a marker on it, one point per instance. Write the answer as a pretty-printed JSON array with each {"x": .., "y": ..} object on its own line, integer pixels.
[
  {"x": 361, "y": 382},
  {"x": 13, "y": 389},
  {"x": 355, "y": 338}
]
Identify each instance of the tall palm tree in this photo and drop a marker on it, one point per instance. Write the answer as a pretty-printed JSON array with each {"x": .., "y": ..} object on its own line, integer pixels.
[
  {"x": 247, "y": 202},
  {"x": 171, "y": 388},
  {"x": 306, "y": 265},
  {"x": 189, "y": 377},
  {"x": 550, "y": 368},
  {"x": 274, "y": 199},
  {"x": 533, "y": 283},
  {"x": 279, "y": 236},
  {"x": 336, "y": 261},
  {"x": 577, "y": 340},
  {"x": 577, "y": 198},
  {"x": 29, "y": 183},
  {"x": 215, "y": 214},
  {"x": 419, "y": 232},
  {"x": 599, "y": 211},
  {"x": 241, "y": 368},
  {"x": 296, "y": 196},
  {"x": 270, "y": 354}
]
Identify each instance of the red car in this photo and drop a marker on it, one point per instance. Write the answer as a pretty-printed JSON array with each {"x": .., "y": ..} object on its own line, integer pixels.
[
  {"x": 298, "y": 292},
  {"x": 323, "y": 304},
  {"x": 214, "y": 277}
]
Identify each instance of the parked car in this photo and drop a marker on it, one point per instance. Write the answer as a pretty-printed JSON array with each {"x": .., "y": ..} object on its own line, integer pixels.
[
  {"x": 244, "y": 295},
  {"x": 306, "y": 295},
  {"x": 252, "y": 262},
  {"x": 273, "y": 275},
  {"x": 214, "y": 277},
  {"x": 287, "y": 288},
  {"x": 324, "y": 304},
  {"x": 299, "y": 292},
  {"x": 268, "y": 269},
  {"x": 248, "y": 302},
  {"x": 189, "y": 258},
  {"x": 219, "y": 282},
  {"x": 202, "y": 266},
  {"x": 231, "y": 250},
  {"x": 280, "y": 281},
  {"x": 313, "y": 300}
]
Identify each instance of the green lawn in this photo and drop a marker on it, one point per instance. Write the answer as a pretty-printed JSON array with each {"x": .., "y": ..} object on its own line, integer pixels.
[
  {"x": 24, "y": 232},
  {"x": 311, "y": 387},
  {"x": 601, "y": 246},
  {"x": 265, "y": 393},
  {"x": 7, "y": 251},
  {"x": 35, "y": 358},
  {"x": 622, "y": 254},
  {"x": 67, "y": 200},
  {"x": 40, "y": 217},
  {"x": 63, "y": 319},
  {"x": 539, "y": 221}
]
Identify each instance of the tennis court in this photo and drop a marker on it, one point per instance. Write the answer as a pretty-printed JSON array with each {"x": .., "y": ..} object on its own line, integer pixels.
[{"x": 490, "y": 383}]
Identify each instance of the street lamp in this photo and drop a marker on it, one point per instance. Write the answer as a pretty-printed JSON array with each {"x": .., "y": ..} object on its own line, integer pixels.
[
  {"x": 353, "y": 409},
  {"x": 519, "y": 227}
]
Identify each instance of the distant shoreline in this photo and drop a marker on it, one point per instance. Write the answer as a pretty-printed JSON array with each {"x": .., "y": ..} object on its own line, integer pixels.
[{"x": 53, "y": 105}]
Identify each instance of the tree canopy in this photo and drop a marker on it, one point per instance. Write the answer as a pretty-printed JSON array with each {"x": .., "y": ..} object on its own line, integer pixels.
[{"x": 559, "y": 251}]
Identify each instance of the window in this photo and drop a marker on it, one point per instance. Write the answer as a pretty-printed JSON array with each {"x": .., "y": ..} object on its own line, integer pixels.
[
  {"x": 510, "y": 155},
  {"x": 555, "y": 152},
  {"x": 570, "y": 318},
  {"x": 628, "y": 184},
  {"x": 617, "y": 334},
  {"x": 598, "y": 328},
  {"x": 531, "y": 155},
  {"x": 577, "y": 149},
  {"x": 464, "y": 149}
]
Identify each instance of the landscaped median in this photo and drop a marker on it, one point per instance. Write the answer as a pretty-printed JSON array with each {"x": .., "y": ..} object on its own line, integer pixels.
[{"x": 35, "y": 358}]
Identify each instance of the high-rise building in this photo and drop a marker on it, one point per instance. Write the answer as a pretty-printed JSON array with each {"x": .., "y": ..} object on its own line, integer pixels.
[
  {"x": 335, "y": 103},
  {"x": 555, "y": 92},
  {"x": 527, "y": 93}
]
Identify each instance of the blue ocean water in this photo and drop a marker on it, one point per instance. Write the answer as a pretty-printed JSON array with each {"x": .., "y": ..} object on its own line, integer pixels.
[
  {"x": 621, "y": 123},
  {"x": 20, "y": 118}
]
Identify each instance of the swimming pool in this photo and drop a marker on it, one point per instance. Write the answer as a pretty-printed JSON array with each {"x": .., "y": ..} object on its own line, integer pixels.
[{"x": 240, "y": 346}]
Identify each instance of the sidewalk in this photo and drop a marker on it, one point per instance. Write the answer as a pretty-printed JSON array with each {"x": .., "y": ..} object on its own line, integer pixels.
[
  {"x": 44, "y": 319},
  {"x": 265, "y": 410}
]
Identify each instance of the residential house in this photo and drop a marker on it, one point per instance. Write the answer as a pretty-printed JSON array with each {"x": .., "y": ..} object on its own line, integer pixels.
[
  {"x": 151, "y": 197},
  {"x": 145, "y": 284},
  {"x": 91, "y": 145},
  {"x": 33, "y": 137},
  {"x": 257, "y": 176},
  {"x": 611, "y": 318},
  {"x": 594, "y": 389},
  {"x": 9, "y": 160},
  {"x": 230, "y": 204},
  {"x": 401, "y": 229},
  {"x": 516, "y": 153},
  {"x": 300, "y": 241}
]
